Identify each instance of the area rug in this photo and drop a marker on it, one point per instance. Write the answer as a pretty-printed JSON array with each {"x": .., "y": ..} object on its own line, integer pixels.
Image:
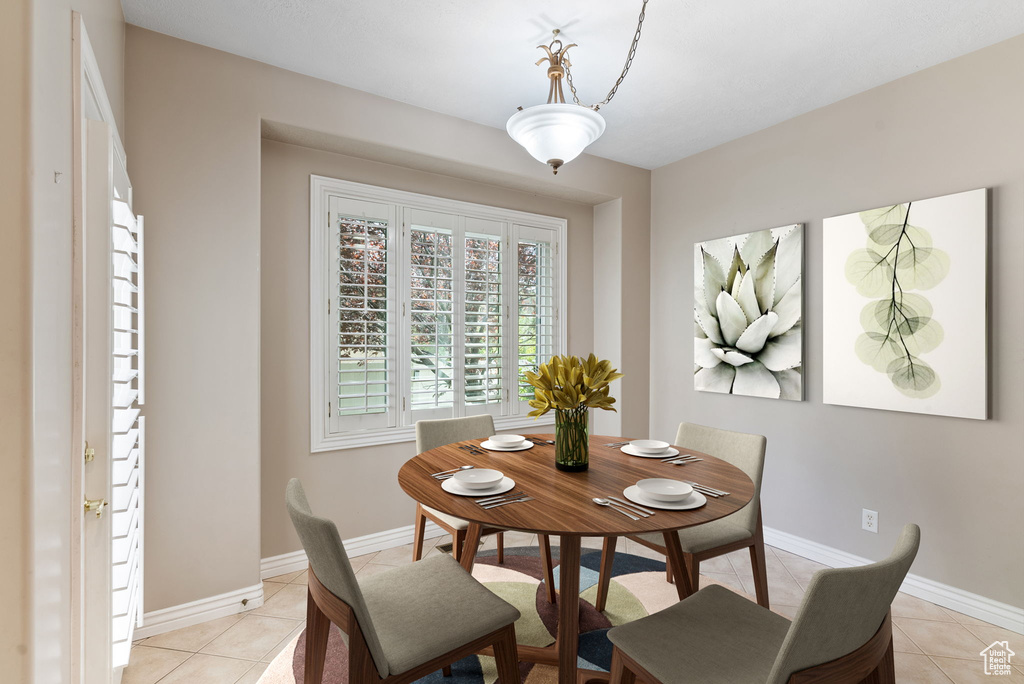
[{"x": 638, "y": 588}]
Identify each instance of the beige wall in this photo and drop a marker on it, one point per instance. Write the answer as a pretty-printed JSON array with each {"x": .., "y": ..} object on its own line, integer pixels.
[
  {"x": 358, "y": 488},
  {"x": 194, "y": 146},
  {"x": 15, "y": 353},
  {"x": 953, "y": 127}
]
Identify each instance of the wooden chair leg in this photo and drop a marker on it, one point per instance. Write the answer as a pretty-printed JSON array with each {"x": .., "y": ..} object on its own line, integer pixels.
[
  {"x": 693, "y": 570},
  {"x": 759, "y": 565},
  {"x": 318, "y": 629},
  {"x": 446, "y": 671},
  {"x": 885, "y": 673},
  {"x": 620, "y": 674},
  {"x": 418, "y": 530},
  {"x": 506, "y": 656},
  {"x": 604, "y": 577},
  {"x": 501, "y": 548},
  {"x": 458, "y": 539},
  {"x": 668, "y": 570},
  {"x": 546, "y": 564}
]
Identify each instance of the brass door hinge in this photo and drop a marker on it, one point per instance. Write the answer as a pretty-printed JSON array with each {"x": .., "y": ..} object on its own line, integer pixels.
[
  {"x": 95, "y": 505},
  {"x": 90, "y": 453}
]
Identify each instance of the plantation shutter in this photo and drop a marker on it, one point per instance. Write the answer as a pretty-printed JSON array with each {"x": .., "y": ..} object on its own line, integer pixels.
[
  {"x": 361, "y": 315},
  {"x": 484, "y": 317},
  {"x": 433, "y": 372},
  {"x": 128, "y": 426},
  {"x": 536, "y": 308}
]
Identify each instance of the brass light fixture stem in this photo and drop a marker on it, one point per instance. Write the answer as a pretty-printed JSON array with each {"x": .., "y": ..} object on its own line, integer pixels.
[{"x": 558, "y": 60}]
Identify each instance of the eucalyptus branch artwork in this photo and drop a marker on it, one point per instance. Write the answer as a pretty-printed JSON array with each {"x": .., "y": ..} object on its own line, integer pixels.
[
  {"x": 904, "y": 307},
  {"x": 748, "y": 311},
  {"x": 898, "y": 326}
]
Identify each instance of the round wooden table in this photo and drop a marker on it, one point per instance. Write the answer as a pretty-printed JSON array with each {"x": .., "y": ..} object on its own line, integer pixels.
[{"x": 562, "y": 505}]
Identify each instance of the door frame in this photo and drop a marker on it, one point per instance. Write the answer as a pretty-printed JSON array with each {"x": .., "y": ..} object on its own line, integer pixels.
[{"x": 89, "y": 102}]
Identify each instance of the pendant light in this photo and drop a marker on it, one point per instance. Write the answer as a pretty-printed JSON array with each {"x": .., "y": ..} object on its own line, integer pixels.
[{"x": 556, "y": 133}]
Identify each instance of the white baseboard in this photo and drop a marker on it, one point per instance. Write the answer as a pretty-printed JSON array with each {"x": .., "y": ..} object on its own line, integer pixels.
[
  {"x": 357, "y": 546},
  {"x": 974, "y": 605},
  {"x": 188, "y": 614},
  {"x": 194, "y": 612}
]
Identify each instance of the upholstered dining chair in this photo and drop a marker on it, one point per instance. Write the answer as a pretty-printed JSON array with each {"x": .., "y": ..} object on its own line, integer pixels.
[
  {"x": 842, "y": 632},
  {"x": 399, "y": 625},
  {"x": 431, "y": 434},
  {"x": 740, "y": 530}
]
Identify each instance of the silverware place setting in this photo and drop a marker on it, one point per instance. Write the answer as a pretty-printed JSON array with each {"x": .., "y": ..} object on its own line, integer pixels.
[
  {"x": 615, "y": 444},
  {"x": 709, "y": 491},
  {"x": 683, "y": 460},
  {"x": 505, "y": 502},
  {"x": 498, "y": 497},
  {"x": 631, "y": 511},
  {"x": 445, "y": 474},
  {"x": 473, "y": 449}
]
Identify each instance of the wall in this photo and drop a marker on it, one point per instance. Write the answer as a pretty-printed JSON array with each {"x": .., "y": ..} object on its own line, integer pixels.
[
  {"x": 953, "y": 127},
  {"x": 194, "y": 143},
  {"x": 15, "y": 354},
  {"x": 337, "y": 481}
]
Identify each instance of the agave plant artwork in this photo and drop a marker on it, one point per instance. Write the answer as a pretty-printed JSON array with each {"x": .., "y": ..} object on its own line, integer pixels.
[
  {"x": 748, "y": 311},
  {"x": 572, "y": 386}
]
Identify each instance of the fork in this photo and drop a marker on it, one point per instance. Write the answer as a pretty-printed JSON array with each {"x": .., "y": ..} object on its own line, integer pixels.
[
  {"x": 704, "y": 489},
  {"x": 495, "y": 499},
  {"x": 510, "y": 501}
]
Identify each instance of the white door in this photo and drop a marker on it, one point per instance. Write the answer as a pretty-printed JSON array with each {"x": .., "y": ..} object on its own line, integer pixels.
[{"x": 112, "y": 397}]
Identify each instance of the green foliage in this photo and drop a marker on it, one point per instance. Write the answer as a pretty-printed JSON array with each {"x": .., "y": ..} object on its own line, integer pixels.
[{"x": 898, "y": 327}]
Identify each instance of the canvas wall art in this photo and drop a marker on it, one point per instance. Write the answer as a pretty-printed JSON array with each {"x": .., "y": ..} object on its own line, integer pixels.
[
  {"x": 905, "y": 322},
  {"x": 748, "y": 314}
]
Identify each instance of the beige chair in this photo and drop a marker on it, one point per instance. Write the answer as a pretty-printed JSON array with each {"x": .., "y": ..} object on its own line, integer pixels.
[
  {"x": 431, "y": 434},
  {"x": 399, "y": 625},
  {"x": 740, "y": 530},
  {"x": 842, "y": 633}
]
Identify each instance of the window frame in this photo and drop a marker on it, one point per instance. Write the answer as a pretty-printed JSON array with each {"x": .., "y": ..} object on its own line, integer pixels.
[{"x": 326, "y": 432}]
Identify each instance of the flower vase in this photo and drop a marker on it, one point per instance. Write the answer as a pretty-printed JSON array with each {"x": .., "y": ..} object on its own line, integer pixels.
[{"x": 572, "y": 439}]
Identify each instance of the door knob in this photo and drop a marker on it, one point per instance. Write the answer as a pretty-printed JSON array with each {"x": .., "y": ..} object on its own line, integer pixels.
[{"x": 95, "y": 505}]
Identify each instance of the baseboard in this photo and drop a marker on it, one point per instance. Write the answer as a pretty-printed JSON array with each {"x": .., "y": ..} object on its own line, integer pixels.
[
  {"x": 357, "y": 546},
  {"x": 980, "y": 607},
  {"x": 194, "y": 612}
]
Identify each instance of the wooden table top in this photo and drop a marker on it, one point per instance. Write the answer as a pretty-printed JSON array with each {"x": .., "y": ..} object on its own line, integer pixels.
[{"x": 562, "y": 501}]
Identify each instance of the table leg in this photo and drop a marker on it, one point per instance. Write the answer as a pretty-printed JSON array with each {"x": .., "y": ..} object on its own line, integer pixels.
[
  {"x": 674, "y": 551},
  {"x": 470, "y": 546},
  {"x": 568, "y": 607}
]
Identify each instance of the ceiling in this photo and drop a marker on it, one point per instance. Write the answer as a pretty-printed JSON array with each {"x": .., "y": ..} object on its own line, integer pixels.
[{"x": 706, "y": 71}]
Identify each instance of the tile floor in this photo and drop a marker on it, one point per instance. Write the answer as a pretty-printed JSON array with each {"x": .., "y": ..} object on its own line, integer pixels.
[{"x": 933, "y": 645}]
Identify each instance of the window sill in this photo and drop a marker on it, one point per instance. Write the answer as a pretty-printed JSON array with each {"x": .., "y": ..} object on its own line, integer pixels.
[{"x": 367, "y": 438}]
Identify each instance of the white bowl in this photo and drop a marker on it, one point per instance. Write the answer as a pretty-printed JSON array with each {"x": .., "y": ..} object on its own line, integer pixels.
[
  {"x": 478, "y": 478},
  {"x": 506, "y": 441},
  {"x": 649, "y": 446},
  {"x": 663, "y": 489}
]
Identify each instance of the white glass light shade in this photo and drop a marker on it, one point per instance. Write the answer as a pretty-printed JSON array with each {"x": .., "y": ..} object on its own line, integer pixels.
[{"x": 555, "y": 133}]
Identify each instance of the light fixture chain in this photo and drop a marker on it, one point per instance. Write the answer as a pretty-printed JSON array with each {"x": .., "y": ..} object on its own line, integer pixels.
[{"x": 625, "y": 69}]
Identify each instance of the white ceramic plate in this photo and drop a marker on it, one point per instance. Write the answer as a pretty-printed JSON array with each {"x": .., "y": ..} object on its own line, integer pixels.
[
  {"x": 486, "y": 444},
  {"x": 633, "y": 493},
  {"x": 453, "y": 487},
  {"x": 662, "y": 454}
]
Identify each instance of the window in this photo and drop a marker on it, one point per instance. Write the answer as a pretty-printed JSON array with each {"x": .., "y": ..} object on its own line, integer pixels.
[{"x": 425, "y": 308}]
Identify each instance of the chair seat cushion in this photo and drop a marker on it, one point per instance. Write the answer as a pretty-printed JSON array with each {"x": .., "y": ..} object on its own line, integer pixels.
[
  {"x": 703, "y": 537},
  {"x": 423, "y": 610},
  {"x": 711, "y": 637},
  {"x": 449, "y": 520}
]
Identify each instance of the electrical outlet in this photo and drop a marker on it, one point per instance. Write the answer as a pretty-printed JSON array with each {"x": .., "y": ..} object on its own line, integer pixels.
[{"x": 869, "y": 520}]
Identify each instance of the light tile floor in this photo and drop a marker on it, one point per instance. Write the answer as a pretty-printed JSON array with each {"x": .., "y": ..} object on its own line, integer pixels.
[{"x": 933, "y": 645}]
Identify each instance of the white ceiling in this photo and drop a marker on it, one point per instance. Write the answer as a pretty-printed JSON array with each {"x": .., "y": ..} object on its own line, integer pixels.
[{"x": 706, "y": 72}]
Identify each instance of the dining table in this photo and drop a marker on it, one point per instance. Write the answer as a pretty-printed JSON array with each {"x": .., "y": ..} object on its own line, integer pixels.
[{"x": 561, "y": 504}]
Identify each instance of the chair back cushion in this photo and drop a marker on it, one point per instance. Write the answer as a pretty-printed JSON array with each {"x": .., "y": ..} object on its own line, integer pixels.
[
  {"x": 329, "y": 561},
  {"x": 431, "y": 434},
  {"x": 843, "y": 608},
  {"x": 742, "y": 450}
]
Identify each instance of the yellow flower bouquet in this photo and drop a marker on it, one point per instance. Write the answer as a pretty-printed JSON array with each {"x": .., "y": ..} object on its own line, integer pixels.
[{"x": 572, "y": 386}]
